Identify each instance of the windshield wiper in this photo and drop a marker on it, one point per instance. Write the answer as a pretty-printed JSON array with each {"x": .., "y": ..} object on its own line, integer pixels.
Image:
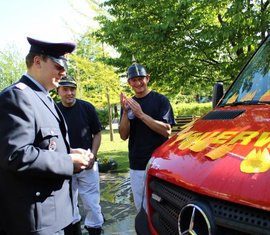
[{"x": 247, "y": 102}]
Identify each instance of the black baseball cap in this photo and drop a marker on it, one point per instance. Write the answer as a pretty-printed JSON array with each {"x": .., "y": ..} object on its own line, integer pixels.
[
  {"x": 67, "y": 81},
  {"x": 54, "y": 50}
]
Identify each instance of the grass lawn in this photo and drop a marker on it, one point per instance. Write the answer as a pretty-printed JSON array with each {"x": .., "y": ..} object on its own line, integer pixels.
[{"x": 116, "y": 150}]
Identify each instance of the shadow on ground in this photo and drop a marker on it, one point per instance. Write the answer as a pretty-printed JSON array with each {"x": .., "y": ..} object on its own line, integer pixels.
[{"x": 116, "y": 204}]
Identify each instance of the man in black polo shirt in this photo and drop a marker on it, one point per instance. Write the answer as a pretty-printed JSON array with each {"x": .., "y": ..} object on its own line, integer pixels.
[{"x": 84, "y": 130}]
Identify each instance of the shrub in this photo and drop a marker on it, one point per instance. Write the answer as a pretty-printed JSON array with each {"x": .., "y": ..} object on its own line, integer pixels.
[
  {"x": 189, "y": 109},
  {"x": 103, "y": 115},
  {"x": 180, "y": 98}
]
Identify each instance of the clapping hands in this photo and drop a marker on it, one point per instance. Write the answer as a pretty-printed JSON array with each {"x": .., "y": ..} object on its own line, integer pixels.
[{"x": 130, "y": 103}]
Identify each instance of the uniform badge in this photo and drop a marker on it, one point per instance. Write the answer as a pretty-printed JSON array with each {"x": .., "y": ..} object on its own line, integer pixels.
[{"x": 52, "y": 145}]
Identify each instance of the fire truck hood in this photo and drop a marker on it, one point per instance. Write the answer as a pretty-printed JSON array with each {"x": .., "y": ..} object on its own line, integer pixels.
[{"x": 225, "y": 154}]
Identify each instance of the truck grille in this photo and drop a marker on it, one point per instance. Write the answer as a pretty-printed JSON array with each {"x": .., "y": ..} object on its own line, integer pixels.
[{"x": 167, "y": 200}]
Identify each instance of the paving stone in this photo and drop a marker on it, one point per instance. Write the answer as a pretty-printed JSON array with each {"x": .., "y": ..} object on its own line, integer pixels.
[{"x": 117, "y": 204}]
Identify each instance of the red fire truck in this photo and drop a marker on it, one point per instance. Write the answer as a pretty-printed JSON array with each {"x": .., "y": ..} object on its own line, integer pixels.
[{"x": 213, "y": 177}]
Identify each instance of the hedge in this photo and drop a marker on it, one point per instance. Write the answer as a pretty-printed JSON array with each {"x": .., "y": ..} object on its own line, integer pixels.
[{"x": 189, "y": 109}]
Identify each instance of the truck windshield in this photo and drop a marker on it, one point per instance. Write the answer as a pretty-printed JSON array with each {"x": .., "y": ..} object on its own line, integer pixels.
[{"x": 253, "y": 84}]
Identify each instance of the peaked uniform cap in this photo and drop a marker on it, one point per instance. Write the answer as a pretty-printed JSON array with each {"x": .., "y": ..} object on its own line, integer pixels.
[
  {"x": 67, "y": 81},
  {"x": 54, "y": 51}
]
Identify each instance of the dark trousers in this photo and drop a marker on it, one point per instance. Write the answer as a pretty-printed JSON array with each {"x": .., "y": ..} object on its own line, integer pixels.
[{"x": 66, "y": 231}]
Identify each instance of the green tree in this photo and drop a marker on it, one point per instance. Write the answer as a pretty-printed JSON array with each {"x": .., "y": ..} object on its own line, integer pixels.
[
  {"x": 12, "y": 66},
  {"x": 98, "y": 82},
  {"x": 96, "y": 79},
  {"x": 186, "y": 45}
]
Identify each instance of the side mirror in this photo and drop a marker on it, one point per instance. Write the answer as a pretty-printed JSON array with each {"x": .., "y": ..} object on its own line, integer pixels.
[{"x": 218, "y": 92}]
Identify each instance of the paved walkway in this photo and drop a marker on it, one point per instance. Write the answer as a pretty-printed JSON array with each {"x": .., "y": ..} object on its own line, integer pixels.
[{"x": 117, "y": 204}]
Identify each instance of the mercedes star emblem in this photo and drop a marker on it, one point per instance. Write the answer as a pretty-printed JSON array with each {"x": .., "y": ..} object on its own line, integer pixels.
[{"x": 193, "y": 220}]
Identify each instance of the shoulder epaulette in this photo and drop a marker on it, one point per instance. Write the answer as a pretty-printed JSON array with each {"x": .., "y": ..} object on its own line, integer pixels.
[{"x": 21, "y": 86}]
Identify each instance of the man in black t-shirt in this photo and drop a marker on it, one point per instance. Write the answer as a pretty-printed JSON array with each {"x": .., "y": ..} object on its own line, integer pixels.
[
  {"x": 146, "y": 120},
  {"x": 84, "y": 130}
]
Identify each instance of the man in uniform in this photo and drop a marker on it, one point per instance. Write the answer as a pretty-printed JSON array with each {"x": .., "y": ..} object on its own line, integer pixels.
[{"x": 36, "y": 162}]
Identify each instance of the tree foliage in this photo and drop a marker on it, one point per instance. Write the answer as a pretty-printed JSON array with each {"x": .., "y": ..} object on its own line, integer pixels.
[
  {"x": 97, "y": 82},
  {"x": 12, "y": 66},
  {"x": 186, "y": 45}
]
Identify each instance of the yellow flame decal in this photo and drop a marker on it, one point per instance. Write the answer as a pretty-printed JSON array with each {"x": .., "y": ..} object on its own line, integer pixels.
[
  {"x": 188, "y": 142},
  {"x": 181, "y": 135},
  {"x": 219, "y": 152},
  {"x": 188, "y": 126},
  {"x": 263, "y": 140},
  {"x": 232, "y": 99},
  {"x": 265, "y": 96},
  {"x": 200, "y": 144},
  {"x": 249, "y": 96},
  {"x": 256, "y": 162}
]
